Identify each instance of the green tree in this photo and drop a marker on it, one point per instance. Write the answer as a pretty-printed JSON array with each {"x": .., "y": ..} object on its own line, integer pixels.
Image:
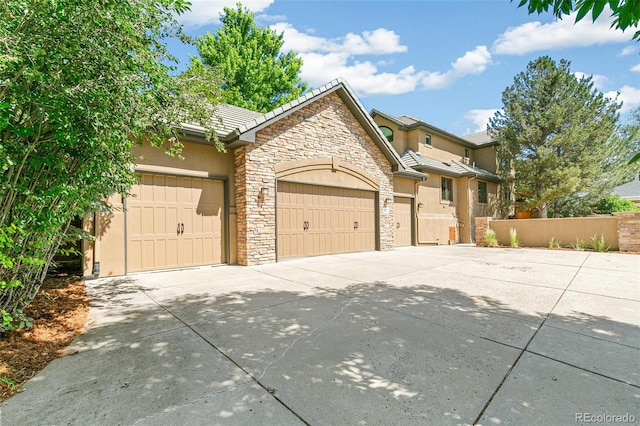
[
  {"x": 613, "y": 203},
  {"x": 626, "y": 13},
  {"x": 80, "y": 82},
  {"x": 558, "y": 134},
  {"x": 256, "y": 75}
]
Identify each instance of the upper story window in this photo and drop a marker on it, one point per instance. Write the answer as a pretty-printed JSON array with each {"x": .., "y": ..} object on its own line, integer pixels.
[
  {"x": 467, "y": 154},
  {"x": 482, "y": 192},
  {"x": 387, "y": 132},
  {"x": 446, "y": 185},
  {"x": 427, "y": 140}
]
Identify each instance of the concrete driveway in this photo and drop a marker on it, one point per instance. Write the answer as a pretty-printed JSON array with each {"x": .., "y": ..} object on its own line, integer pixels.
[{"x": 420, "y": 335}]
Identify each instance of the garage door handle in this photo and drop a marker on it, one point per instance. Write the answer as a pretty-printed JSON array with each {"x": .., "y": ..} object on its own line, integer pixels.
[
  {"x": 181, "y": 228},
  {"x": 178, "y": 230},
  {"x": 398, "y": 225},
  {"x": 356, "y": 225},
  {"x": 305, "y": 225}
]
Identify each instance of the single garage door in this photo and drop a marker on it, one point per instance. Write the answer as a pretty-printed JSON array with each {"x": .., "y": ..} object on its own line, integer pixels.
[
  {"x": 314, "y": 220},
  {"x": 402, "y": 215},
  {"x": 173, "y": 222}
]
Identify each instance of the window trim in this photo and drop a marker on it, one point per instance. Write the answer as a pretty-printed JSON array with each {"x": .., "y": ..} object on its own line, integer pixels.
[
  {"x": 446, "y": 190},
  {"x": 427, "y": 140},
  {"x": 388, "y": 136},
  {"x": 485, "y": 192}
]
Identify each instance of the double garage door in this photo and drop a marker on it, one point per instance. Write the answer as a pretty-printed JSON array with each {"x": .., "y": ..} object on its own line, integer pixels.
[
  {"x": 314, "y": 220},
  {"x": 174, "y": 222}
]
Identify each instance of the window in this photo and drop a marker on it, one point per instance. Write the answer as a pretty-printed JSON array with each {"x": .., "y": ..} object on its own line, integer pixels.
[
  {"x": 482, "y": 192},
  {"x": 387, "y": 132},
  {"x": 466, "y": 153},
  {"x": 447, "y": 189},
  {"x": 427, "y": 140}
]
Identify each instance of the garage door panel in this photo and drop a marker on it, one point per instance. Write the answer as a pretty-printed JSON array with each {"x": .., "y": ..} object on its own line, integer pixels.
[
  {"x": 174, "y": 222},
  {"x": 330, "y": 213}
]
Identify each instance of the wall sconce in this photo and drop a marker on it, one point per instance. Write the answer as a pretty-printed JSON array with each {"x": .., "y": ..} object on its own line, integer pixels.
[
  {"x": 264, "y": 192},
  {"x": 386, "y": 202},
  {"x": 420, "y": 205}
]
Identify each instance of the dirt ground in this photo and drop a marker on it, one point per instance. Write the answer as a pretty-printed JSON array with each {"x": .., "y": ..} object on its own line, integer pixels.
[{"x": 59, "y": 312}]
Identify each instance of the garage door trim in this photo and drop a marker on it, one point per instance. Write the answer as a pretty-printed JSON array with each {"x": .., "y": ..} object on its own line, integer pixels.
[{"x": 184, "y": 173}]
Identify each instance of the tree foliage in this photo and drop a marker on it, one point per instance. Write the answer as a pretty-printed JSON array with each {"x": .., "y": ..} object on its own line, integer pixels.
[
  {"x": 256, "y": 74},
  {"x": 626, "y": 13},
  {"x": 560, "y": 138},
  {"x": 80, "y": 82},
  {"x": 613, "y": 203}
]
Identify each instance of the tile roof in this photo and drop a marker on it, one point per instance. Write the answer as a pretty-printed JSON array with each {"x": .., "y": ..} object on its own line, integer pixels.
[
  {"x": 480, "y": 138},
  {"x": 239, "y": 125},
  {"x": 454, "y": 168},
  {"x": 630, "y": 190},
  {"x": 407, "y": 122}
]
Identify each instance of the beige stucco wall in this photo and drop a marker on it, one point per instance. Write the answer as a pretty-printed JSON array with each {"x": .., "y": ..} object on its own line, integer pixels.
[
  {"x": 403, "y": 187},
  {"x": 109, "y": 246},
  {"x": 538, "y": 232},
  {"x": 325, "y": 128},
  {"x": 441, "y": 148},
  {"x": 400, "y": 142},
  {"x": 434, "y": 216},
  {"x": 485, "y": 158},
  {"x": 199, "y": 160}
]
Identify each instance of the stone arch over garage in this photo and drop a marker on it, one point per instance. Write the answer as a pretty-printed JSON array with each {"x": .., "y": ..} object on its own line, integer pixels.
[{"x": 327, "y": 172}]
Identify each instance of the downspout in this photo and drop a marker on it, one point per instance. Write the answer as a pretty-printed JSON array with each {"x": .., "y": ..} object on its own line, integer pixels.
[{"x": 95, "y": 249}]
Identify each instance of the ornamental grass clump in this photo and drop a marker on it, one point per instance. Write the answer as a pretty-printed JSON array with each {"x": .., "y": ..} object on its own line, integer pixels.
[
  {"x": 599, "y": 243},
  {"x": 491, "y": 238},
  {"x": 513, "y": 238}
]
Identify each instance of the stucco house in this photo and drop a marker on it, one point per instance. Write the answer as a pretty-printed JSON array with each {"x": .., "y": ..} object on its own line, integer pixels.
[
  {"x": 312, "y": 177},
  {"x": 316, "y": 176},
  {"x": 462, "y": 180}
]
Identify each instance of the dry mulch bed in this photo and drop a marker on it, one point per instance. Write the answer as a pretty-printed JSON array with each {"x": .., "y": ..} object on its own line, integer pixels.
[{"x": 59, "y": 312}]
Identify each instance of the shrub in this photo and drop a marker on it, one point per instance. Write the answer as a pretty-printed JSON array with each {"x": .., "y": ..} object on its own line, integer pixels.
[
  {"x": 491, "y": 238},
  {"x": 614, "y": 203},
  {"x": 553, "y": 243},
  {"x": 599, "y": 243},
  {"x": 513, "y": 238},
  {"x": 578, "y": 245}
]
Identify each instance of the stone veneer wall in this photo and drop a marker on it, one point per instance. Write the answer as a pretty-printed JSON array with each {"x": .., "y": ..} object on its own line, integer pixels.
[
  {"x": 628, "y": 231},
  {"x": 482, "y": 224},
  {"x": 323, "y": 129}
]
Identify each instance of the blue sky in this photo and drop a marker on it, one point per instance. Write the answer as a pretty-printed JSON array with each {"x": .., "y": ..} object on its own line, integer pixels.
[{"x": 445, "y": 62}]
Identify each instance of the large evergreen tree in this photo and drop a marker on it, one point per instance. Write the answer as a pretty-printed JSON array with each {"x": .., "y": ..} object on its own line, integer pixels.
[
  {"x": 256, "y": 74},
  {"x": 558, "y": 140}
]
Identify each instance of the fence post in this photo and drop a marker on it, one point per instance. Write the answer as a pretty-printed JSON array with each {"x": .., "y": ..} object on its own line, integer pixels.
[
  {"x": 628, "y": 231},
  {"x": 482, "y": 224}
]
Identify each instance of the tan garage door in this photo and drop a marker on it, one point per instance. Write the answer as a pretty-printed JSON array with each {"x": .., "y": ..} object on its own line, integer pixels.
[
  {"x": 314, "y": 220},
  {"x": 402, "y": 215},
  {"x": 173, "y": 222}
]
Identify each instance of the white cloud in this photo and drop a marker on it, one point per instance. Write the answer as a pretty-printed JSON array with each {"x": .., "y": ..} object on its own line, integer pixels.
[
  {"x": 264, "y": 17},
  {"x": 377, "y": 42},
  {"x": 635, "y": 68},
  {"x": 535, "y": 36},
  {"x": 205, "y": 12},
  {"x": 629, "y": 95},
  {"x": 328, "y": 58},
  {"x": 629, "y": 50},
  {"x": 363, "y": 77},
  {"x": 480, "y": 117},
  {"x": 599, "y": 80},
  {"x": 472, "y": 62}
]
